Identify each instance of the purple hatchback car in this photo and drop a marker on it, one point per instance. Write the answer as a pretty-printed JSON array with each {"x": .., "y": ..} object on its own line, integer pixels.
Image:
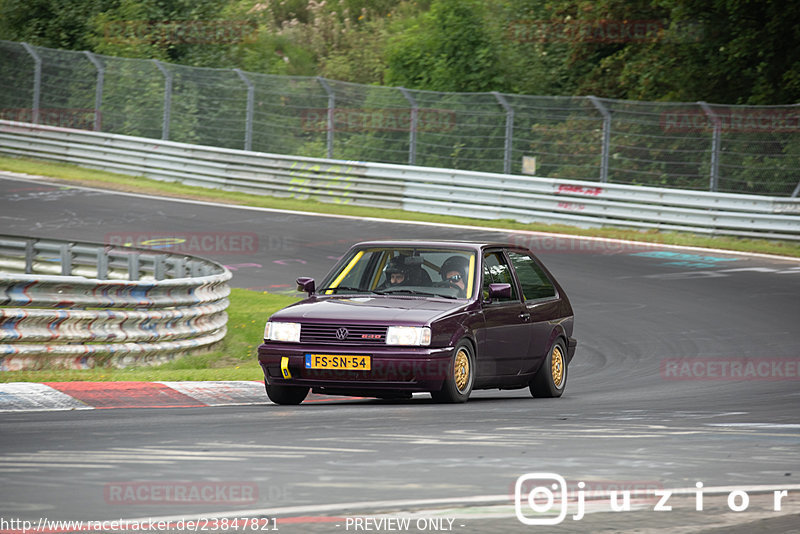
[{"x": 397, "y": 317}]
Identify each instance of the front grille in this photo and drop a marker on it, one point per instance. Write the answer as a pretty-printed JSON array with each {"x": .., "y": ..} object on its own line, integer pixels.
[{"x": 337, "y": 334}]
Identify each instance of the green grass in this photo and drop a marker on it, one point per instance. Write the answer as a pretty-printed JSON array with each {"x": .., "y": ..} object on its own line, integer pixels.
[
  {"x": 94, "y": 178},
  {"x": 233, "y": 359}
]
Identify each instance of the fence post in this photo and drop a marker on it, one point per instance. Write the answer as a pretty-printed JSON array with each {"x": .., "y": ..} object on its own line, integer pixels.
[
  {"x": 412, "y": 136},
  {"x": 331, "y": 107},
  {"x": 98, "y": 90},
  {"x": 248, "y": 127},
  {"x": 715, "y": 144},
  {"x": 167, "y": 98},
  {"x": 509, "y": 132},
  {"x": 796, "y": 191},
  {"x": 37, "y": 81},
  {"x": 606, "y": 136}
]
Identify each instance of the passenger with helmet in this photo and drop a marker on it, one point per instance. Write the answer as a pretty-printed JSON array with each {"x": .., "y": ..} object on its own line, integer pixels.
[
  {"x": 454, "y": 271},
  {"x": 395, "y": 273}
]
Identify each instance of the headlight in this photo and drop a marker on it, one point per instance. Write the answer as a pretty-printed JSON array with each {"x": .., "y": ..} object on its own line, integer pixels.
[
  {"x": 408, "y": 335},
  {"x": 274, "y": 331}
]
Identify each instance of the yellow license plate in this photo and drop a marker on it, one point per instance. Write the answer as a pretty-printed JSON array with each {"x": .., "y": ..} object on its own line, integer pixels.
[{"x": 346, "y": 362}]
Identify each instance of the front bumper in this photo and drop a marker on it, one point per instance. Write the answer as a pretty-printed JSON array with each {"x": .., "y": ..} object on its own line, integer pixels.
[{"x": 393, "y": 368}]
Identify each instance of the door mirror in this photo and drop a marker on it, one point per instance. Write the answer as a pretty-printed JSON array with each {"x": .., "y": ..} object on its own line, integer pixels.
[
  {"x": 307, "y": 285},
  {"x": 499, "y": 291}
]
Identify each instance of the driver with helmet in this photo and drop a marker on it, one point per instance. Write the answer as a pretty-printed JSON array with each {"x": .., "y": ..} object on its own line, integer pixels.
[
  {"x": 454, "y": 271},
  {"x": 395, "y": 272}
]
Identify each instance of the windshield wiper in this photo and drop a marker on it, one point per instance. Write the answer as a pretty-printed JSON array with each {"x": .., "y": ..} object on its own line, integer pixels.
[
  {"x": 347, "y": 288},
  {"x": 415, "y": 292}
]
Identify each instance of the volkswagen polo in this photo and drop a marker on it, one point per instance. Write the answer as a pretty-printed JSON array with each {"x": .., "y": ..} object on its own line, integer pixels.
[{"x": 397, "y": 317}]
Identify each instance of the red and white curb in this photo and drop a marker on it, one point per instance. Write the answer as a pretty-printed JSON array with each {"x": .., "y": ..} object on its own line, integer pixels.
[{"x": 54, "y": 396}]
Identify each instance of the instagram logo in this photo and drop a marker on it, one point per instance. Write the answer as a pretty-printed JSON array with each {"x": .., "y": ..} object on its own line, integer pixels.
[{"x": 541, "y": 498}]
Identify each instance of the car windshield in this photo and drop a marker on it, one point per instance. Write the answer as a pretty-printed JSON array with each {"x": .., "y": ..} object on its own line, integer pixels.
[{"x": 416, "y": 271}]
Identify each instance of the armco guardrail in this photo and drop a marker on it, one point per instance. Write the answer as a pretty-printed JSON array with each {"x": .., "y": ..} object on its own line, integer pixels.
[
  {"x": 431, "y": 190},
  {"x": 69, "y": 304}
]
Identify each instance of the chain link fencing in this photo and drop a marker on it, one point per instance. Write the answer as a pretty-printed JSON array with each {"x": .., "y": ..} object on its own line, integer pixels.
[{"x": 695, "y": 146}]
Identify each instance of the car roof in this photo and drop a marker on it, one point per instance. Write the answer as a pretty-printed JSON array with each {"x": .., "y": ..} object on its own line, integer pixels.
[{"x": 436, "y": 243}]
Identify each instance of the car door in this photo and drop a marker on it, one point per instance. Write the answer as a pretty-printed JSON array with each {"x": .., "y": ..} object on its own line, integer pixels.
[
  {"x": 503, "y": 341},
  {"x": 540, "y": 303}
]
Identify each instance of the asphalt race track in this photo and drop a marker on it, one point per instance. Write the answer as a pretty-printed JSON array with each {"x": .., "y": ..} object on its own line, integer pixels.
[{"x": 635, "y": 414}]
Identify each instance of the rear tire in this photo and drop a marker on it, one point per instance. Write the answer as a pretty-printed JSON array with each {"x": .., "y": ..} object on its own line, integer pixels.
[
  {"x": 288, "y": 395},
  {"x": 461, "y": 376},
  {"x": 551, "y": 379}
]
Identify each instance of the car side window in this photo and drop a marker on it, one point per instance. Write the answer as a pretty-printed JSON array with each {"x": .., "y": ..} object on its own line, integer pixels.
[
  {"x": 532, "y": 279},
  {"x": 497, "y": 271}
]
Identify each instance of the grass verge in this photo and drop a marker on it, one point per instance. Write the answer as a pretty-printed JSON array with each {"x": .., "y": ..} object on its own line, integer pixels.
[
  {"x": 77, "y": 175},
  {"x": 233, "y": 359}
]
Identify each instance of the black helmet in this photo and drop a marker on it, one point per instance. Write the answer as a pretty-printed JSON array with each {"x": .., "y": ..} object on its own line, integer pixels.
[
  {"x": 454, "y": 263},
  {"x": 396, "y": 265}
]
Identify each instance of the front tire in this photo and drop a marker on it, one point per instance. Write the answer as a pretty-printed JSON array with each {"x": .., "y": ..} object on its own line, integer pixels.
[
  {"x": 551, "y": 379},
  {"x": 461, "y": 376},
  {"x": 288, "y": 395}
]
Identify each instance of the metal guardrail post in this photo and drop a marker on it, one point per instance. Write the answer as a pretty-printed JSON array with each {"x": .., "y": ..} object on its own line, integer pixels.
[
  {"x": 37, "y": 81},
  {"x": 98, "y": 91},
  {"x": 412, "y": 130},
  {"x": 248, "y": 128},
  {"x": 509, "y": 131},
  {"x": 133, "y": 267},
  {"x": 331, "y": 108},
  {"x": 715, "y": 146},
  {"x": 160, "y": 268},
  {"x": 606, "y": 136},
  {"x": 29, "y": 254},
  {"x": 102, "y": 265},
  {"x": 167, "y": 98}
]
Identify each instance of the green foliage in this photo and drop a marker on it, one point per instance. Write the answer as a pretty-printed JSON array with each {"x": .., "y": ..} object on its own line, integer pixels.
[
  {"x": 449, "y": 48},
  {"x": 721, "y": 51},
  {"x": 55, "y": 24}
]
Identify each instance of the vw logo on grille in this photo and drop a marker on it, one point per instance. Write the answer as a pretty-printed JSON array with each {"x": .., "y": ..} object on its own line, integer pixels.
[{"x": 341, "y": 334}]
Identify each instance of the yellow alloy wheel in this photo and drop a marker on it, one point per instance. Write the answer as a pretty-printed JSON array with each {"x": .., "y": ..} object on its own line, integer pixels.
[
  {"x": 461, "y": 370},
  {"x": 557, "y": 367}
]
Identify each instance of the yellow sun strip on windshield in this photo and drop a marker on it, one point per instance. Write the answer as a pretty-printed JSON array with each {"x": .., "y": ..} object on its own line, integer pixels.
[
  {"x": 379, "y": 271},
  {"x": 345, "y": 272},
  {"x": 471, "y": 277}
]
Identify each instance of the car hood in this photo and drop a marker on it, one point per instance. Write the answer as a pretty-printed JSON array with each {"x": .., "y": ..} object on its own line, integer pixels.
[{"x": 368, "y": 310}]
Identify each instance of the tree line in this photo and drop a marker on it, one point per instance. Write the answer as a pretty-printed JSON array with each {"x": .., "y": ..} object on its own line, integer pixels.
[{"x": 720, "y": 51}]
